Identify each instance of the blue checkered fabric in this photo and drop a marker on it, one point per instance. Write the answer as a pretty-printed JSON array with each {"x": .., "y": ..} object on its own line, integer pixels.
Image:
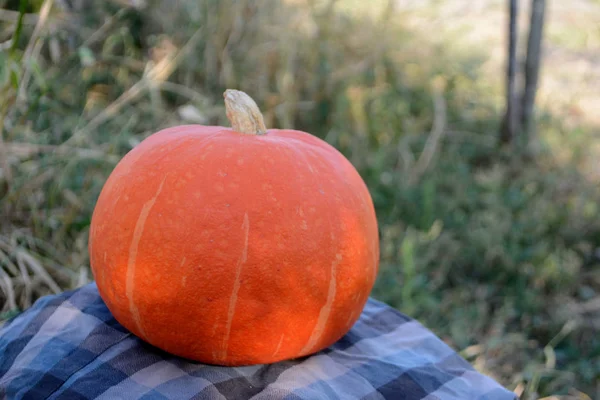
[{"x": 69, "y": 346}]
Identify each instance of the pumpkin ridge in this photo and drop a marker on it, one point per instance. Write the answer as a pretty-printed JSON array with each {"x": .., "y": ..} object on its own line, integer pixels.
[
  {"x": 236, "y": 285},
  {"x": 325, "y": 311},
  {"x": 278, "y": 345},
  {"x": 133, "y": 250}
]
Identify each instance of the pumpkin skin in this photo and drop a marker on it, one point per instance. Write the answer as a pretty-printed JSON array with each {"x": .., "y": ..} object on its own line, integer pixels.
[{"x": 234, "y": 249}]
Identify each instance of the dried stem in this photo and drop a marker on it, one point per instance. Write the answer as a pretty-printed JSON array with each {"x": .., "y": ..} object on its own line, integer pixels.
[
  {"x": 33, "y": 48},
  {"x": 437, "y": 130},
  {"x": 243, "y": 113},
  {"x": 13, "y": 16},
  {"x": 154, "y": 76}
]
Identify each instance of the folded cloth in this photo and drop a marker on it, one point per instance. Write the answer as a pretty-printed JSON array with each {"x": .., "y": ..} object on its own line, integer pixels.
[{"x": 69, "y": 346}]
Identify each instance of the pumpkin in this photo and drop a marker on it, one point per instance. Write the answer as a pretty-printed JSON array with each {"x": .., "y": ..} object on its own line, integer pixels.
[{"x": 235, "y": 246}]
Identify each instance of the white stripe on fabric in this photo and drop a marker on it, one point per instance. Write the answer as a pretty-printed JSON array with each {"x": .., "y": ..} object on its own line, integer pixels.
[
  {"x": 22, "y": 322},
  {"x": 470, "y": 385},
  {"x": 400, "y": 362},
  {"x": 166, "y": 376},
  {"x": 396, "y": 347},
  {"x": 102, "y": 360},
  {"x": 354, "y": 386},
  {"x": 64, "y": 324},
  {"x": 127, "y": 390},
  {"x": 147, "y": 379},
  {"x": 185, "y": 387}
]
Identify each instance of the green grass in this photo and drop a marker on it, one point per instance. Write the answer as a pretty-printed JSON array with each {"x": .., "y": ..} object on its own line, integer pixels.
[{"x": 494, "y": 250}]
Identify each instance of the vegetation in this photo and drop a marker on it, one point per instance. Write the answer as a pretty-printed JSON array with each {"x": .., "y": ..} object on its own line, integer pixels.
[{"x": 495, "y": 250}]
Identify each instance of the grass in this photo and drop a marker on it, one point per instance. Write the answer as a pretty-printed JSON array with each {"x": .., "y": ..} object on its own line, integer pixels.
[{"x": 494, "y": 250}]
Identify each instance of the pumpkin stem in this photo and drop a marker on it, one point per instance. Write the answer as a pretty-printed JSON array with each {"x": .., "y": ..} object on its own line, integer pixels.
[{"x": 243, "y": 113}]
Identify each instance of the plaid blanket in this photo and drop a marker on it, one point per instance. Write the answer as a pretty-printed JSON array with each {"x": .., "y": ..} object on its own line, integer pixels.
[{"x": 69, "y": 346}]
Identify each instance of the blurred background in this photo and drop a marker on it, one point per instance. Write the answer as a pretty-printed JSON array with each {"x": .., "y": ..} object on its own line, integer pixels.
[{"x": 490, "y": 237}]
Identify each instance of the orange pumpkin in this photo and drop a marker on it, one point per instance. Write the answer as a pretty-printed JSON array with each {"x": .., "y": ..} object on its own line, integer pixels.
[{"x": 235, "y": 246}]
